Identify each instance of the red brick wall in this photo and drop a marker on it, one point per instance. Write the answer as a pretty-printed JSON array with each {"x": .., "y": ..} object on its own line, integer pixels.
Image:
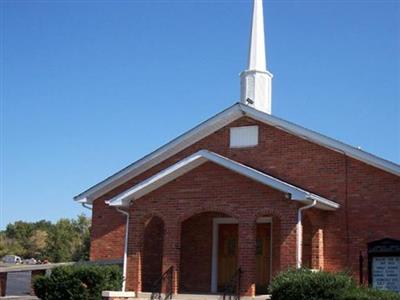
[
  {"x": 368, "y": 196},
  {"x": 373, "y": 209},
  {"x": 107, "y": 232}
]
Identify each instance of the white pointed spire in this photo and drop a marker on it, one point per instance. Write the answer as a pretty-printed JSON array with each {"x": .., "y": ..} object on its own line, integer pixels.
[
  {"x": 256, "y": 80},
  {"x": 257, "y": 41}
]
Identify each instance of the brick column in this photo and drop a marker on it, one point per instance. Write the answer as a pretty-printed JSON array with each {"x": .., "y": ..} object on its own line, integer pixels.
[
  {"x": 247, "y": 257},
  {"x": 171, "y": 252},
  {"x": 318, "y": 250},
  {"x": 134, "y": 264},
  {"x": 35, "y": 273},
  {"x": 3, "y": 284},
  {"x": 287, "y": 241}
]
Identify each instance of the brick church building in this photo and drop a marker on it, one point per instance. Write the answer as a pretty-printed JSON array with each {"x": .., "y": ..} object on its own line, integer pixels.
[{"x": 246, "y": 190}]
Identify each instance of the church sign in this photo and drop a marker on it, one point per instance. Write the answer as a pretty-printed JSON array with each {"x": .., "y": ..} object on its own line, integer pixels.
[{"x": 384, "y": 264}]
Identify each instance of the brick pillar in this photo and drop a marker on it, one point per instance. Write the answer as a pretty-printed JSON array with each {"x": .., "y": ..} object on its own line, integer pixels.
[
  {"x": 171, "y": 252},
  {"x": 276, "y": 249},
  {"x": 247, "y": 257},
  {"x": 135, "y": 246},
  {"x": 318, "y": 250},
  {"x": 287, "y": 241},
  {"x": 3, "y": 284},
  {"x": 35, "y": 273}
]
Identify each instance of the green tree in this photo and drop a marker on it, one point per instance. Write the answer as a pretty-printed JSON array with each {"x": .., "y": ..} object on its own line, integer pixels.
[
  {"x": 82, "y": 244},
  {"x": 37, "y": 243},
  {"x": 10, "y": 246},
  {"x": 60, "y": 241},
  {"x": 66, "y": 240}
]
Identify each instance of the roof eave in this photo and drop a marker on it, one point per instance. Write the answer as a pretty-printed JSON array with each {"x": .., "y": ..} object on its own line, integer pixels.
[
  {"x": 322, "y": 140},
  {"x": 181, "y": 142}
]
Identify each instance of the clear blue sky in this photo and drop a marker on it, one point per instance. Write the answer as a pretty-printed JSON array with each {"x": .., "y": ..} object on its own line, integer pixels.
[{"x": 90, "y": 86}]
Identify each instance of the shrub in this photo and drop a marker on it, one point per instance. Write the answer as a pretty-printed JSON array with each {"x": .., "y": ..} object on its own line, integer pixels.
[
  {"x": 305, "y": 284},
  {"x": 369, "y": 294},
  {"x": 78, "y": 282}
]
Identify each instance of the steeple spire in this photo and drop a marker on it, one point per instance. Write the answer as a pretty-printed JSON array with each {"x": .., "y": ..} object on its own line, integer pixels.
[
  {"x": 256, "y": 80},
  {"x": 257, "y": 41}
]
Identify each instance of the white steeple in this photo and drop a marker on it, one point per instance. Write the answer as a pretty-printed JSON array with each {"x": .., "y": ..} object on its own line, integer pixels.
[{"x": 256, "y": 80}]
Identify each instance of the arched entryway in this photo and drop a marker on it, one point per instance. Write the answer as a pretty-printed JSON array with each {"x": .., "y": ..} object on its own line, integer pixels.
[
  {"x": 208, "y": 251},
  {"x": 153, "y": 239}
]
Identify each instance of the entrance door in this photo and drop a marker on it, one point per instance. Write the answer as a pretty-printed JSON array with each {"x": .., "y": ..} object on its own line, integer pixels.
[
  {"x": 263, "y": 257},
  {"x": 227, "y": 253}
]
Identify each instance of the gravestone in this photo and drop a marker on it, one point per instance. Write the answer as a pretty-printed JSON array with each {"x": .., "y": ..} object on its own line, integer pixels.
[{"x": 384, "y": 264}]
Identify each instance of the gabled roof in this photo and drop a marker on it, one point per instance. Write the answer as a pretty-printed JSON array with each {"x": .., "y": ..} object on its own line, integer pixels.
[
  {"x": 220, "y": 120},
  {"x": 193, "y": 161}
]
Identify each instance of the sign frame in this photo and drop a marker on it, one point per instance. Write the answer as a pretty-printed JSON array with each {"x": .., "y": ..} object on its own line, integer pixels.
[{"x": 386, "y": 247}]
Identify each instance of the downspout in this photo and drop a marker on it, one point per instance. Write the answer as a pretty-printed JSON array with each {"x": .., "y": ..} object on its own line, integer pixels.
[
  {"x": 299, "y": 233},
  {"x": 125, "y": 261}
]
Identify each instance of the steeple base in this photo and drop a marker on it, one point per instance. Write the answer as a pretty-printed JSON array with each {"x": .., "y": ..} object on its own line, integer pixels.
[{"x": 256, "y": 89}]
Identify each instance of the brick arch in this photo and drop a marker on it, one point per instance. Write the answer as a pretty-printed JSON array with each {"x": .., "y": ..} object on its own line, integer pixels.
[
  {"x": 268, "y": 213},
  {"x": 147, "y": 215},
  {"x": 212, "y": 208}
]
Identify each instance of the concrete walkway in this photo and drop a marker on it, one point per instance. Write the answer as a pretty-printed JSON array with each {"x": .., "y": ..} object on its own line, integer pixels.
[{"x": 19, "y": 298}]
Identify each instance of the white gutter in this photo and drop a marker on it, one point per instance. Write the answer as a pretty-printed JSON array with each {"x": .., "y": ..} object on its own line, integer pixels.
[
  {"x": 85, "y": 205},
  {"x": 124, "y": 268},
  {"x": 299, "y": 233}
]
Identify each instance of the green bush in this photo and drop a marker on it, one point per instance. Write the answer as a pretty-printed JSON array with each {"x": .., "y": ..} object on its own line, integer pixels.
[
  {"x": 305, "y": 284},
  {"x": 78, "y": 282},
  {"x": 369, "y": 294}
]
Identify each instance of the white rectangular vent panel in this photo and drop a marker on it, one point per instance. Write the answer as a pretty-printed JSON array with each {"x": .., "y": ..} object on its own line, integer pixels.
[{"x": 245, "y": 136}]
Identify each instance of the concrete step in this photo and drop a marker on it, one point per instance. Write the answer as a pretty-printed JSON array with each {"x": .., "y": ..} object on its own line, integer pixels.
[{"x": 146, "y": 296}]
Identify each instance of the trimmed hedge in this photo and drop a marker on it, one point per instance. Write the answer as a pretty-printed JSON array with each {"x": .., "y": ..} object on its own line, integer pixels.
[
  {"x": 369, "y": 294},
  {"x": 305, "y": 284},
  {"x": 78, "y": 282}
]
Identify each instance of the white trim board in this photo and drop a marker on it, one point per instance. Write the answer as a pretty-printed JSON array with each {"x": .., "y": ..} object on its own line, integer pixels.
[{"x": 217, "y": 122}]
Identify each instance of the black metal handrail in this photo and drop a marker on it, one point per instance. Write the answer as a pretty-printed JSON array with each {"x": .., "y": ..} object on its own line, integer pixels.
[
  {"x": 232, "y": 288},
  {"x": 166, "y": 280}
]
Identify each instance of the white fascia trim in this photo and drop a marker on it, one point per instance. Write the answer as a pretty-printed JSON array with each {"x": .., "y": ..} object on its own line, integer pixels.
[
  {"x": 322, "y": 140},
  {"x": 183, "y": 141},
  {"x": 193, "y": 161}
]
